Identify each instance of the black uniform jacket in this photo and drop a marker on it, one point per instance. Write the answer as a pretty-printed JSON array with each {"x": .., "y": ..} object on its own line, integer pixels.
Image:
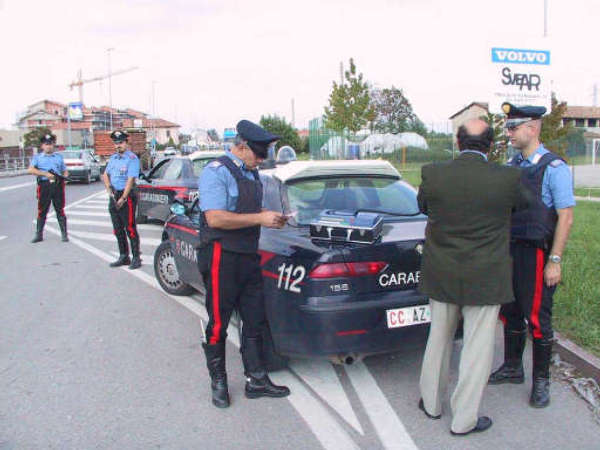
[{"x": 466, "y": 259}]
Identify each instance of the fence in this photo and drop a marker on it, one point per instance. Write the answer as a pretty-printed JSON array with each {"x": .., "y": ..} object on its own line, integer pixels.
[{"x": 13, "y": 165}]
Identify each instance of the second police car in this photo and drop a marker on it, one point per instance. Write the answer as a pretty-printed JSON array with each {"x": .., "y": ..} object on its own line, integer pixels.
[{"x": 341, "y": 278}]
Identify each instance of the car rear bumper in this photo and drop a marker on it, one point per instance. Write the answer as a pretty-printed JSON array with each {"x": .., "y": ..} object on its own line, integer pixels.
[
  {"x": 328, "y": 327},
  {"x": 78, "y": 174}
]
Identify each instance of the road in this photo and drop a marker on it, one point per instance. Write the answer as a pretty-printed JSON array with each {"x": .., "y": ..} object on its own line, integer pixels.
[{"x": 94, "y": 357}]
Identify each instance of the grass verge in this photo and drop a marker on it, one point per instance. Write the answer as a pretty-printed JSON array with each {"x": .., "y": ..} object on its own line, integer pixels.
[{"x": 577, "y": 299}]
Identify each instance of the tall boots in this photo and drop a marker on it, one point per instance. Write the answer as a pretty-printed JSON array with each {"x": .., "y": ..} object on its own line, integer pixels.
[
  {"x": 62, "y": 223},
  {"x": 123, "y": 252},
  {"x": 512, "y": 369},
  {"x": 258, "y": 383},
  {"x": 136, "y": 261},
  {"x": 540, "y": 390},
  {"x": 39, "y": 231},
  {"x": 215, "y": 362}
]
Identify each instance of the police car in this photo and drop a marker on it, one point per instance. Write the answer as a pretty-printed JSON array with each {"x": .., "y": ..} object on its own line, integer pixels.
[
  {"x": 171, "y": 179},
  {"x": 340, "y": 279}
]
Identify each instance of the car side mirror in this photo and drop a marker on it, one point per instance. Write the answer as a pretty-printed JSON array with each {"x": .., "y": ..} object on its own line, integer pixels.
[{"x": 143, "y": 176}]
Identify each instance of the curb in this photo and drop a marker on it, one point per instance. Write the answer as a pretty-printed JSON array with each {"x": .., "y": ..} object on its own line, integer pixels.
[{"x": 584, "y": 361}]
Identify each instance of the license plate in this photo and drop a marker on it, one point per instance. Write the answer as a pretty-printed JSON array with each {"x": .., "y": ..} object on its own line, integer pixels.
[{"x": 411, "y": 315}]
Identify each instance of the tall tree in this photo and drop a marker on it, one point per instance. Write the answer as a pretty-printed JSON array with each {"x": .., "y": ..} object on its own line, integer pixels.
[
  {"x": 278, "y": 125},
  {"x": 213, "y": 135},
  {"x": 393, "y": 112},
  {"x": 498, "y": 151},
  {"x": 349, "y": 103},
  {"x": 553, "y": 132},
  {"x": 32, "y": 139}
]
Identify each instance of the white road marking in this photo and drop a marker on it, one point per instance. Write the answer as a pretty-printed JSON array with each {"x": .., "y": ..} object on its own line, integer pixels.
[
  {"x": 3, "y": 237},
  {"x": 17, "y": 186},
  {"x": 144, "y": 262},
  {"x": 389, "y": 428},
  {"x": 110, "y": 237},
  {"x": 85, "y": 199},
  {"x": 107, "y": 224},
  {"x": 320, "y": 376},
  {"x": 98, "y": 202},
  {"x": 325, "y": 427},
  {"x": 86, "y": 206},
  {"x": 88, "y": 213}
]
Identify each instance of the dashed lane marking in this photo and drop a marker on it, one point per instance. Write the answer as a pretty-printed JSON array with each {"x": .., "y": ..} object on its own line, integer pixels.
[
  {"x": 107, "y": 224},
  {"x": 16, "y": 186}
]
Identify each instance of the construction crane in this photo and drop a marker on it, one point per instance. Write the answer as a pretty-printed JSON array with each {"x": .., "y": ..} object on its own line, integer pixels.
[{"x": 80, "y": 82}]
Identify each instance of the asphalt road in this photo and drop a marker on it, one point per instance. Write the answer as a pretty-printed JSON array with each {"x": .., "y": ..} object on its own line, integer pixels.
[{"x": 94, "y": 357}]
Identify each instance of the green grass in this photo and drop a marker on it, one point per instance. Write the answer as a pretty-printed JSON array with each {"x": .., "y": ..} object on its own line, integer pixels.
[
  {"x": 577, "y": 299},
  {"x": 587, "y": 192}
]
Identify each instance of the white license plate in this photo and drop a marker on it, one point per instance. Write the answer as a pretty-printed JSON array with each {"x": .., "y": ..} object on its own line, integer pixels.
[{"x": 411, "y": 315}]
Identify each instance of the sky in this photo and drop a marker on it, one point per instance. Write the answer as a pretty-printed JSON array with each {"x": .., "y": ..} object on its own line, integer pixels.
[{"x": 209, "y": 63}]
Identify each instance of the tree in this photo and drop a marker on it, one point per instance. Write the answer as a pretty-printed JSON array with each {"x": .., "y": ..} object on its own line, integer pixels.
[
  {"x": 393, "y": 112},
  {"x": 171, "y": 142},
  {"x": 213, "y": 135},
  {"x": 553, "y": 132},
  {"x": 277, "y": 125},
  {"x": 32, "y": 139},
  {"x": 349, "y": 103},
  {"x": 496, "y": 122}
]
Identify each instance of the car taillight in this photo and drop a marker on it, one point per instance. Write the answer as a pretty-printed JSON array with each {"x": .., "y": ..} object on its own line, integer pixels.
[{"x": 351, "y": 269}]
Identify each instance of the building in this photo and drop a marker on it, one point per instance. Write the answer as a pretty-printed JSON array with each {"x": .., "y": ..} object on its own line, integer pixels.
[
  {"x": 586, "y": 117},
  {"x": 472, "y": 111},
  {"x": 51, "y": 114}
]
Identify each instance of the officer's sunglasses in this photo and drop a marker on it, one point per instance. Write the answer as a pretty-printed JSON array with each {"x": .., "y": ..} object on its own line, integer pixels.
[{"x": 512, "y": 126}]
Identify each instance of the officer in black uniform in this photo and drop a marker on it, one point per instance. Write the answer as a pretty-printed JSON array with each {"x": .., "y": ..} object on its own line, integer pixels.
[
  {"x": 538, "y": 238},
  {"x": 230, "y": 194},
  {"x": 50, "y": 187}
]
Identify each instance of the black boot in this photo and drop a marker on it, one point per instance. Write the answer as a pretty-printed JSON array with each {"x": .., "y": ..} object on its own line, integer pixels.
[
  {"x": 215, "y": 362},
  {"x": 540, "y": 390},
  {"x": 136, "y": 261},
  {"x": 123, "y": 253},
  {"x": 62, "y": 223},
  {"x": 258, "y": 383},
  {"x": 512, "y": 369},
  {"x": 39, "y": 231}
]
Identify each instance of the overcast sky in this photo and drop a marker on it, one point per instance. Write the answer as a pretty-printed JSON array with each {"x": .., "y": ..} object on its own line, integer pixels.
[{"x": 216, "y": 61}]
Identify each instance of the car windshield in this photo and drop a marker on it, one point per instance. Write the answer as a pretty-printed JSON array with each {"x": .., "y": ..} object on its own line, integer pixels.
[
  {"x": 308, "y": 198},
  {"x": 199, "y": 164},
  {"x": 71, "y": 155}
]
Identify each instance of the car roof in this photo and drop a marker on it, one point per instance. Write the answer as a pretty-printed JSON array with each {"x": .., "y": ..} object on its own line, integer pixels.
[
  {"x": 205, "y": 154},
  {"x": 295, "y": 170}
]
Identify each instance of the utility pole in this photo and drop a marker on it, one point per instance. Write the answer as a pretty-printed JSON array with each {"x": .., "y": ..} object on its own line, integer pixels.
[
  {"x": 110, "y": 87},
  {"x": 293, "y": 115}
]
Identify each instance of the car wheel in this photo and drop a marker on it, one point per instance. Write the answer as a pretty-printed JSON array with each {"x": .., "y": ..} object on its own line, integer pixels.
[
  {"x": 166, "y": 273},
  {"x": 273, "y": 360},
  {"x": 88, "y": 178}
]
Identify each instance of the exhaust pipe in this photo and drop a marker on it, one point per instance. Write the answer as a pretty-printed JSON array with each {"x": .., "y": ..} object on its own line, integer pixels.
[{"x": 346, "y": 359}]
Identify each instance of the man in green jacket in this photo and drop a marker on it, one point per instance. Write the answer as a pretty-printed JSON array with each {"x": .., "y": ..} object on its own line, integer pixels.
[{"x": 466, "y": 270}]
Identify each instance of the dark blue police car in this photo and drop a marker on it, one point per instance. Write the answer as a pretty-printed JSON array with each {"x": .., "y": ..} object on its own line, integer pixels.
[{"x": 341, "y": 277}]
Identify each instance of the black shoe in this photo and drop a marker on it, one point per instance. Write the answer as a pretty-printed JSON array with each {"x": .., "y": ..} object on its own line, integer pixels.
[
  {"x": 422, "y": 408},
  {"x": 37, "y": 238},
  {"x": 220, "y": 393},
  {"x": 122, "y": 261},
  {"x": 264, "y": 387},
  {"x": 136, "y": 263},
  {"x": 483, "y": 423},
  {"x": 64, "y": 238},
  {"x": 508, "y": 374},
  {"x": 540, "y": 393}
]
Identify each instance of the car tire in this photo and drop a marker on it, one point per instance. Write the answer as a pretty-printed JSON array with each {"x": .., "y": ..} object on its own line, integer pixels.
[
  {"x": 273, "y": 360},
  {"x": 166, "y": 273}
]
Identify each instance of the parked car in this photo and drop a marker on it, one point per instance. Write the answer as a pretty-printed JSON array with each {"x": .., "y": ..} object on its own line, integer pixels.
[
  {"x": 170, "y": 179},
  {"x": 333, "y": 288},
  {"x": 82, "y": 165}
]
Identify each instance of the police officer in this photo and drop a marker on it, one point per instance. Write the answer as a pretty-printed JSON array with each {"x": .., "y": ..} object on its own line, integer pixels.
[
  {"x": 231, "y": 202},
  {"x": 119, "y": 178},
  {"x": 538, "y": 238},
  {"x": 50, "y": 188}
]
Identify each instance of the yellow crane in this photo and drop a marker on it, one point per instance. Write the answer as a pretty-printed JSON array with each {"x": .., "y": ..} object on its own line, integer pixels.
[{"x": 79, "y": 82}]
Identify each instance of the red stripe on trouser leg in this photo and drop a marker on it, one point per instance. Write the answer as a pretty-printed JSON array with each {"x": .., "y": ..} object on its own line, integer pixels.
[
  {"x": 62, "y": 209},
  {"x": 537, "y": 293},
  {"x": 502, "y": 318},
  {"x": 130, "y": 219},
  {"x": 214, "y": 272},
  {"x": 39, "y": 193}
]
